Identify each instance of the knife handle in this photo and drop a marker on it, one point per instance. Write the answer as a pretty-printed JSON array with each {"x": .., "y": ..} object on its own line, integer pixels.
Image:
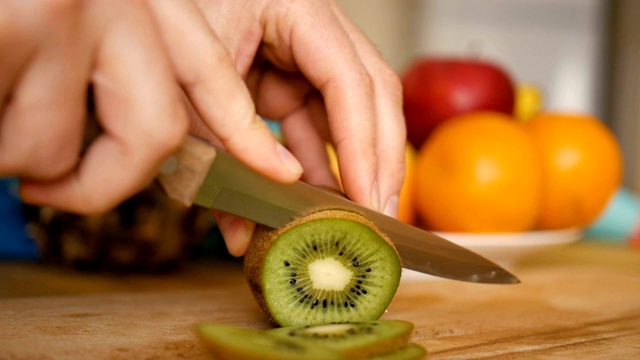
[{"x": 184, "y": 172}]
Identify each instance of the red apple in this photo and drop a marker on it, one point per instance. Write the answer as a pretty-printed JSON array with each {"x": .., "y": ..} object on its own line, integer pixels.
[{"x": 436, "y": 89}]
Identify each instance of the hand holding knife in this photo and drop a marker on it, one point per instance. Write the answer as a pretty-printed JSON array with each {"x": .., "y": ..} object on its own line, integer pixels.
[{"x": 202, "y": 174}]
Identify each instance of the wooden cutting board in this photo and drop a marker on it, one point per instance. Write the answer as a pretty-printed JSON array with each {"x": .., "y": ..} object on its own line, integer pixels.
[{"x": 581, "y": 301}]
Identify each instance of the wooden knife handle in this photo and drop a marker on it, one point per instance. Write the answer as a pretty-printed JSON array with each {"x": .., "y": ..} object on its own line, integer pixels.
[{"x": 184, "y": 172}]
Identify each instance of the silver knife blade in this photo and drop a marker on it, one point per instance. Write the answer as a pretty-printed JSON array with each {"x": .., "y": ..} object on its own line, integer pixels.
[{"x": 229, "y": 185}]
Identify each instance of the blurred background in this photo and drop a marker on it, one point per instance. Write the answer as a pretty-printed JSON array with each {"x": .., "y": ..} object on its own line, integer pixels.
[{"x": 584, "y": 55}]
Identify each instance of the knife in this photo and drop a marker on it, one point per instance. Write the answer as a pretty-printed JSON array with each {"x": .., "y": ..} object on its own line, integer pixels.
[{"x": 199, "y": 173}]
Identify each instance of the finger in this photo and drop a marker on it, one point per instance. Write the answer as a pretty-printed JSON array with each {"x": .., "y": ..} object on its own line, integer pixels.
[
  {"x": 218, "y": 93},
  {"x": 17, "y": 44},
  {"x": 140, "y": 110},
  {"x": 46, "y": 106},
  {"x": 390, "y": 123},
  {"x": 297, "y": 104},
  {"x": 236, "y": 231},
  {"x": 324, "y": 53},
  {"x": 306, "y": 142},
  {"x": 277, "y": 93}
]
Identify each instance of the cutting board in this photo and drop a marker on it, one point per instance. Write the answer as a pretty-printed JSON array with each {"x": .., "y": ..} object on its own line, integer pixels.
[{"x": 580, "y": 301}]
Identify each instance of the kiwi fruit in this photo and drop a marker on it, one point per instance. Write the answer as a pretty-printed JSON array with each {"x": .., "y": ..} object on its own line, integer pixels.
[
  {"x": 332, "y": 266},
  {"x": 409, "y": 352},
  {"x": 235, "y": 343},
  {"x": 353, "y": 340},
  {"x": 323, "y": 342}
]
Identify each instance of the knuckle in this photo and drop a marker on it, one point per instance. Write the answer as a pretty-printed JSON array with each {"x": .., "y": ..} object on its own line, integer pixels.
[
  {"x": 165, "y": 140},
  {"x": 254, "y": 129},
  {"x": 391, "y": 83},
  {"x": 211, "y": 57},
  {"x": 365, "y": 80},
  {"x": 166, "y": 136},
  {"x": 247, "y": 124}
]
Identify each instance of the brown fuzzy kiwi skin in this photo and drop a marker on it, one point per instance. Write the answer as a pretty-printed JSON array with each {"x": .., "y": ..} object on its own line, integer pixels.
[{"x": 264, "y": 237}]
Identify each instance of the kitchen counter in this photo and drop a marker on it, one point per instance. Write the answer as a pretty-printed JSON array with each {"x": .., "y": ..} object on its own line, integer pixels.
[{"x": 578, "y": 301}]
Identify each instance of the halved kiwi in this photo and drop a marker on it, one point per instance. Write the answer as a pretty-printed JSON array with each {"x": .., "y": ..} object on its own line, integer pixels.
[
  {"x": 354, "y": 340},
  {"x": 330, "y": 266},
  {"x": 234, "y": 343}
]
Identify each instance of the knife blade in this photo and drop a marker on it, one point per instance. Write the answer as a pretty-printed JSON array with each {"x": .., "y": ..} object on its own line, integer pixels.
[{"x": 201, "y": 174}]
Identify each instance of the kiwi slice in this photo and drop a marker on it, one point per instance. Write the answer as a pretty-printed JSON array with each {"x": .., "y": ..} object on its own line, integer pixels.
[
  {"x": 327, "y": 267},
  {"x": 353, "y": 340},
  {"x": 234, "y": 343},
  {"x": 409, "y": 352}
]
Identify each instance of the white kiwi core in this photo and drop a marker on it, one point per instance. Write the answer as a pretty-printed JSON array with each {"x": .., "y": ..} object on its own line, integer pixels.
[
  {"x": 330, "y": 329},
  {"x": 329, "y": 274}
]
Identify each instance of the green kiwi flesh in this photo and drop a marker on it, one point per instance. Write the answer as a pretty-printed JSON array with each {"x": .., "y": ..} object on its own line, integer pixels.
[
  {"x": 409, "y": 352},
  {"x": 354, "y": 340},
  {"x": 331, "y": 266},
  {"x": 235, "y": 343}
]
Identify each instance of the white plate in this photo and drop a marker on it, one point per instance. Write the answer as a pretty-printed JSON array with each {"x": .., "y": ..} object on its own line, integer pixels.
[{"x": 506, "y": 249}]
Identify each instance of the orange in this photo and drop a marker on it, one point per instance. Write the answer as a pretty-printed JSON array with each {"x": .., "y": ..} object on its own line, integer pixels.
[
  {"x": 478, "y": 172},
  {"x": 406, "y": 203},
  {"x": 582, "y": 166}
]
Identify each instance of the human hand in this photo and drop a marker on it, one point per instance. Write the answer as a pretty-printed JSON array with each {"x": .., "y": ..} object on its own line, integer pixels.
[
  {"x": 53, "y": 50},
  {"x": 308, "y": 66}
]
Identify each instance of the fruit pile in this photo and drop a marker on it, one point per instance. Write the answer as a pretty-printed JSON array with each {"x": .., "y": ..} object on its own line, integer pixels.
[{"x": 486, "y": 157}]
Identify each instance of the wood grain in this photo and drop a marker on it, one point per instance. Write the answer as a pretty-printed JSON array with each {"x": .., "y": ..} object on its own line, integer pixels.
[{"x": 581, "y": 301}]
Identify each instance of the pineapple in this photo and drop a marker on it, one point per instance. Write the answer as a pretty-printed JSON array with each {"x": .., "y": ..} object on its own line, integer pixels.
[{"x": 148, "y": 232}]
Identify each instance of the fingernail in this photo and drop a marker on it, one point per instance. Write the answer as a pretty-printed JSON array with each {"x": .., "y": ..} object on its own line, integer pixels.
[
  {"x": 289, "y": 160},
  {"x": 391, "y": 208},
  {"x": 375, "y": 196}
]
